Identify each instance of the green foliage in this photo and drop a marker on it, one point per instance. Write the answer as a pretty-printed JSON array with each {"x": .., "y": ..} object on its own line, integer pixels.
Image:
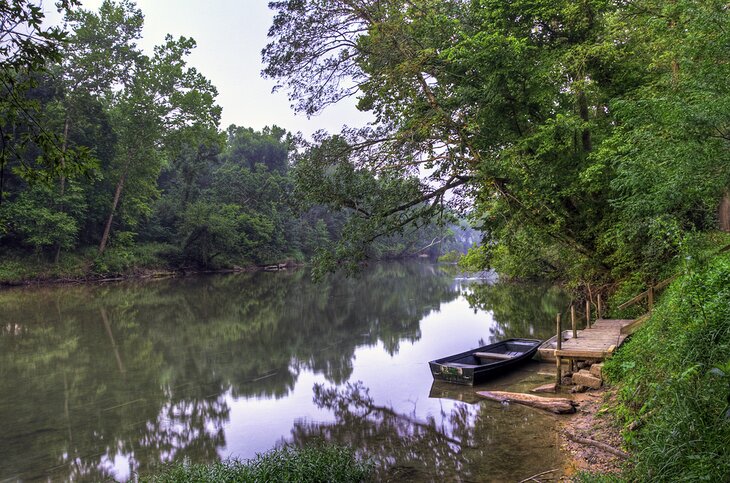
[
  {"x": 592, "y": 136},
  {"x": 450, "y": 257},
  {"x": 674, "y": 377},
  {"x": 128, "y": 258},
  {"x": 288, "y": 464},
  {"x": 37, "y": 218},
  {"x": 29, "y": 144},
  {"x": 18, "y": 267},
  {"x": 475, "y": 259},
  {"x": 595, "y": 477}
]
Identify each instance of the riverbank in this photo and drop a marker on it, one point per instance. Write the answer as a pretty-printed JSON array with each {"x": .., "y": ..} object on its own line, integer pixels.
[
  {"x": 668, "y": 400},
  {"x": 593, "y": 420},
  {"x": 143, "y": 262}
]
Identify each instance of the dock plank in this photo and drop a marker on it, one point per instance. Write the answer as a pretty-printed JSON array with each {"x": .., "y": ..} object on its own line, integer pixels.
[{"x": 596, "y": 342}]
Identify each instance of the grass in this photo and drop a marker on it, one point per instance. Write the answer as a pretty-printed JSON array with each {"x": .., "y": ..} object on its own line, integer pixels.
[
  {"x": 591, "y": 477},
  {"x": 312, "y": 464},
  {"x": 673, "y": 380},
  {"x": 19, "y": 266}
]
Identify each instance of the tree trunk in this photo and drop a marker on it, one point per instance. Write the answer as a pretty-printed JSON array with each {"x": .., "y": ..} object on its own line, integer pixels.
[
  {"x": 723, "y": 212},
  {"x": 115, "y": 202},
  {"x": 63, "y": 179},
  {"x": 583, "y": 112}
]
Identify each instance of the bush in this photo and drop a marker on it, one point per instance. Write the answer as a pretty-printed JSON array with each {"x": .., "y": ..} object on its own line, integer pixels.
[
  {"x": 451, "y": 257},
  {"x": 674, "y": 379},
  {"x": 118, "y": 260},
  {"x": 288, "y": 464}
]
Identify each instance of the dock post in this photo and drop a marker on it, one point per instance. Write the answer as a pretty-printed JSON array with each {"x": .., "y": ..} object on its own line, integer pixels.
[
  {"x": 588, "y": 313},
  {"x": 573, "y": 322},
  {"x": 600, "y": 308},
  {"x": 558, "y": 347},
  {"x": 651, "y": 298}
]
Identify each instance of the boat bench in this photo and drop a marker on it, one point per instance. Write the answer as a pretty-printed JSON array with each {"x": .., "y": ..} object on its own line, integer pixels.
[{"x": 494, "y": 355}]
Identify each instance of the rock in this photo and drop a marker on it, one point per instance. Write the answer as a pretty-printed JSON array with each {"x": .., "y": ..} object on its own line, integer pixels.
[
  {"x": 582, "y": 365},
  {"x": 566, "y": 381},
  {"x": 575, "y": 389},
  {"x": 545, "y": 388},
  {"x": 585, "y": 378},
  {"x": 597, "y": 370}
]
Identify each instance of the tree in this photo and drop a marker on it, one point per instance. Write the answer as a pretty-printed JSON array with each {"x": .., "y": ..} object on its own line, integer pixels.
[
  {"x": 164, "y": 96},
  {"x": 671, "y": 150},
  {"x": 27, "y": 47},
  {"x": 497, "y": 99}
]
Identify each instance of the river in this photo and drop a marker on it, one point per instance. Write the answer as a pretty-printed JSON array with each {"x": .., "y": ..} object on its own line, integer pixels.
[{"x": 109, "y": 381}]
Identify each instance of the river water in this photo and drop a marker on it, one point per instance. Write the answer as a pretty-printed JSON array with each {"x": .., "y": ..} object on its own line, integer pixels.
[{"x": 109, "y": 381}]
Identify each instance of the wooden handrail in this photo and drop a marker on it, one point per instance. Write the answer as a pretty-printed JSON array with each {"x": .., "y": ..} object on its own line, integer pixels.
[{"x": 650, "y": 291}]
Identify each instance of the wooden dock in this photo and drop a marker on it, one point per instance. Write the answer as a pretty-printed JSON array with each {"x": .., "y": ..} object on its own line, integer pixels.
[{"x": 597, "y": 342}]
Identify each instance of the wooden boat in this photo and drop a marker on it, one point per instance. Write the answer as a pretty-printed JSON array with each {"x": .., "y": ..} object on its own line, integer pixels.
[
  {"x": 477, "y": 365},
  {"x": 546, "y": 351}
]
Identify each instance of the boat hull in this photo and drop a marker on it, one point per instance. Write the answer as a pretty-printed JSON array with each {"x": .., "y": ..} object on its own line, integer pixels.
[{"x": 468, "y": 369}]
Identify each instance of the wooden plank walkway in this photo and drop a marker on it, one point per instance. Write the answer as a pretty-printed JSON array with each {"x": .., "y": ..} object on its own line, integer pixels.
[{"x": 596, "y": 343}]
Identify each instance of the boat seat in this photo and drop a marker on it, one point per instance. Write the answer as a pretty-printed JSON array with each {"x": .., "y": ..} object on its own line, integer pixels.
[
  {"x": 457, "y": 364},
  {"x": 493, "y": 355}
]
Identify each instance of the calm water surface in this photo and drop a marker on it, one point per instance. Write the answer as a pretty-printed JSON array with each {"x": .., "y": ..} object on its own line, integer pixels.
[{"x": 110, "y": 381}]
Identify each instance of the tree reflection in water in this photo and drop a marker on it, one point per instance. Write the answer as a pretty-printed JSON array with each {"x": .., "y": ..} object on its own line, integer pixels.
[
  {"x": 464, "y": 442},
  {"x": 519, "y": 310},
  {"x": 96, "y": 378},
  {"x": 102, "y": 381}
]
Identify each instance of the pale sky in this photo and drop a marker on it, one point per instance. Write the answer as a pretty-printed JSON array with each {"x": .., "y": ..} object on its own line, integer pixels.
[{"x": 230, "y": 35}]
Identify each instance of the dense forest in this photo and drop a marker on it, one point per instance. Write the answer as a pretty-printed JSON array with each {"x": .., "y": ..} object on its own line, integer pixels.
[
  {"x": 113, "y": 160},
  {"x": 586, "y": 140}
]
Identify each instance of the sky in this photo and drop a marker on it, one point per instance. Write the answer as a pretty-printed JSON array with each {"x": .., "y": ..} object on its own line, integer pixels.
[{"x": 230, "y": 35}]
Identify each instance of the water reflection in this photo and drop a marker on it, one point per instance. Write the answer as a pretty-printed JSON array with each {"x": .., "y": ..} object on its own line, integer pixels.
[
  {"x": 461, "y": 442},
  {"x": 102, "y": 382}
]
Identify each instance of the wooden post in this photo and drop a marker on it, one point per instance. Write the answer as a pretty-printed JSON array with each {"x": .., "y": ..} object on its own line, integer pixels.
[
  {"x": 559, "y": 346},
  {"x": 588, "y": 313},
  {"x": 600, "y": 308},
  {"x": 573, "y": 322},
  {"x": 651, "y": 298}
]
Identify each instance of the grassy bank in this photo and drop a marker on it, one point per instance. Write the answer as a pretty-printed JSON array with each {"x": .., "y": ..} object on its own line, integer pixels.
[
  {"x": 673, "y": 380},
  {"x": 314, "y": 464},
  {"x": 19, "y": 267}
]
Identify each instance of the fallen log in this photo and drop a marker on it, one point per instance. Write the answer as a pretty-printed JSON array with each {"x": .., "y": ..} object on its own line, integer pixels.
[{"x": 557, "y": 405}]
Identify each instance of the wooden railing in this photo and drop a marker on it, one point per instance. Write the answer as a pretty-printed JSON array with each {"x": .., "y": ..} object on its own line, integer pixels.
[{"x": 647, "y": 294}]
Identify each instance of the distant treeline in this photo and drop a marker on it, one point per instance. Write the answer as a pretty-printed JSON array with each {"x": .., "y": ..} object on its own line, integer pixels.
[{"x": 107, "y": 149}]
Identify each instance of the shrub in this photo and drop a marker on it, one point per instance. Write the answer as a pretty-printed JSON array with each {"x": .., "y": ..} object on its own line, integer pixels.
[
  {"x": 674, "y": 380},
  {"x": 451, "y": 257}
]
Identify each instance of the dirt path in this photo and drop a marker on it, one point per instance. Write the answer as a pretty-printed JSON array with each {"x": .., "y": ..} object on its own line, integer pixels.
[{"x": 593, "y": 423}]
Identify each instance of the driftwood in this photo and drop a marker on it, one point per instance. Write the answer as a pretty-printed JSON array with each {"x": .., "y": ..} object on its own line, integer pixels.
[
  {"x": 557, "y": 405},
  {"x": 597, "y": 444},
  {"x": 533, "y": 477},
  {"x": 552, "y": 387}
]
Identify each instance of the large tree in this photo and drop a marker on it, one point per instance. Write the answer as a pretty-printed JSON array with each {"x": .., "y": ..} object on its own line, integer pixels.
[
  {"x": 27, "y": 48},
  {"x": 164, "y": 96},
  {"x": 513, "y": 103},
  {"x": 498, "y": 98}
]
